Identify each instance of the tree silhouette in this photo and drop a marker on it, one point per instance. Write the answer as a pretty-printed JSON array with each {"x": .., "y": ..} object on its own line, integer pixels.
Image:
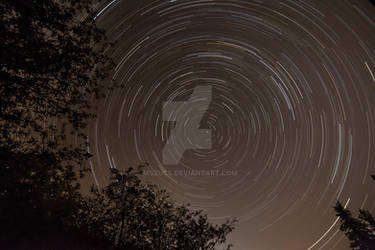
[
  {"x": 51, "y": 65},
  {"x": 130, "y": 213},
  {"x": 37, "y": 196},
  {"x": 360, "y": 231}
]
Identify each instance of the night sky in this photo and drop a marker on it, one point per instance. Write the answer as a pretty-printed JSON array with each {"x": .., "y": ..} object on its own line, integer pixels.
[{"x": 291, "y": 113}]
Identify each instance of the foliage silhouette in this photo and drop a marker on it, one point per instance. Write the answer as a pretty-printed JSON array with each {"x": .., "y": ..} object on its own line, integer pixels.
[
  {"x": 37, "y": 198},
  {"x": 360, "y": 231},
  {"x": 52, "y": 63},
  {"x": 129, "y": 213}
]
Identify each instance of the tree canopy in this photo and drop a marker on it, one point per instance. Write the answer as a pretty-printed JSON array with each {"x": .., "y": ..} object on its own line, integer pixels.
[
  {"x": 129, "y": 213},
  {"x": 52, "y": 63},
  {"x": 360, "y": 231}
]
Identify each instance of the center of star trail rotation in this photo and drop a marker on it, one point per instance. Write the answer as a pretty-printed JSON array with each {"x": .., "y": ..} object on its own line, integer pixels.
[{"x": 291, "y": 111}]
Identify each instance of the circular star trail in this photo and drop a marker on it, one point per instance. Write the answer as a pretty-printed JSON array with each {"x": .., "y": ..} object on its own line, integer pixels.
[{"x": 291, "y": 116}]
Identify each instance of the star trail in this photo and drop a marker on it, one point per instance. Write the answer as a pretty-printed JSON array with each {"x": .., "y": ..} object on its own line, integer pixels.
[{"x": 291, "y": 115}]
